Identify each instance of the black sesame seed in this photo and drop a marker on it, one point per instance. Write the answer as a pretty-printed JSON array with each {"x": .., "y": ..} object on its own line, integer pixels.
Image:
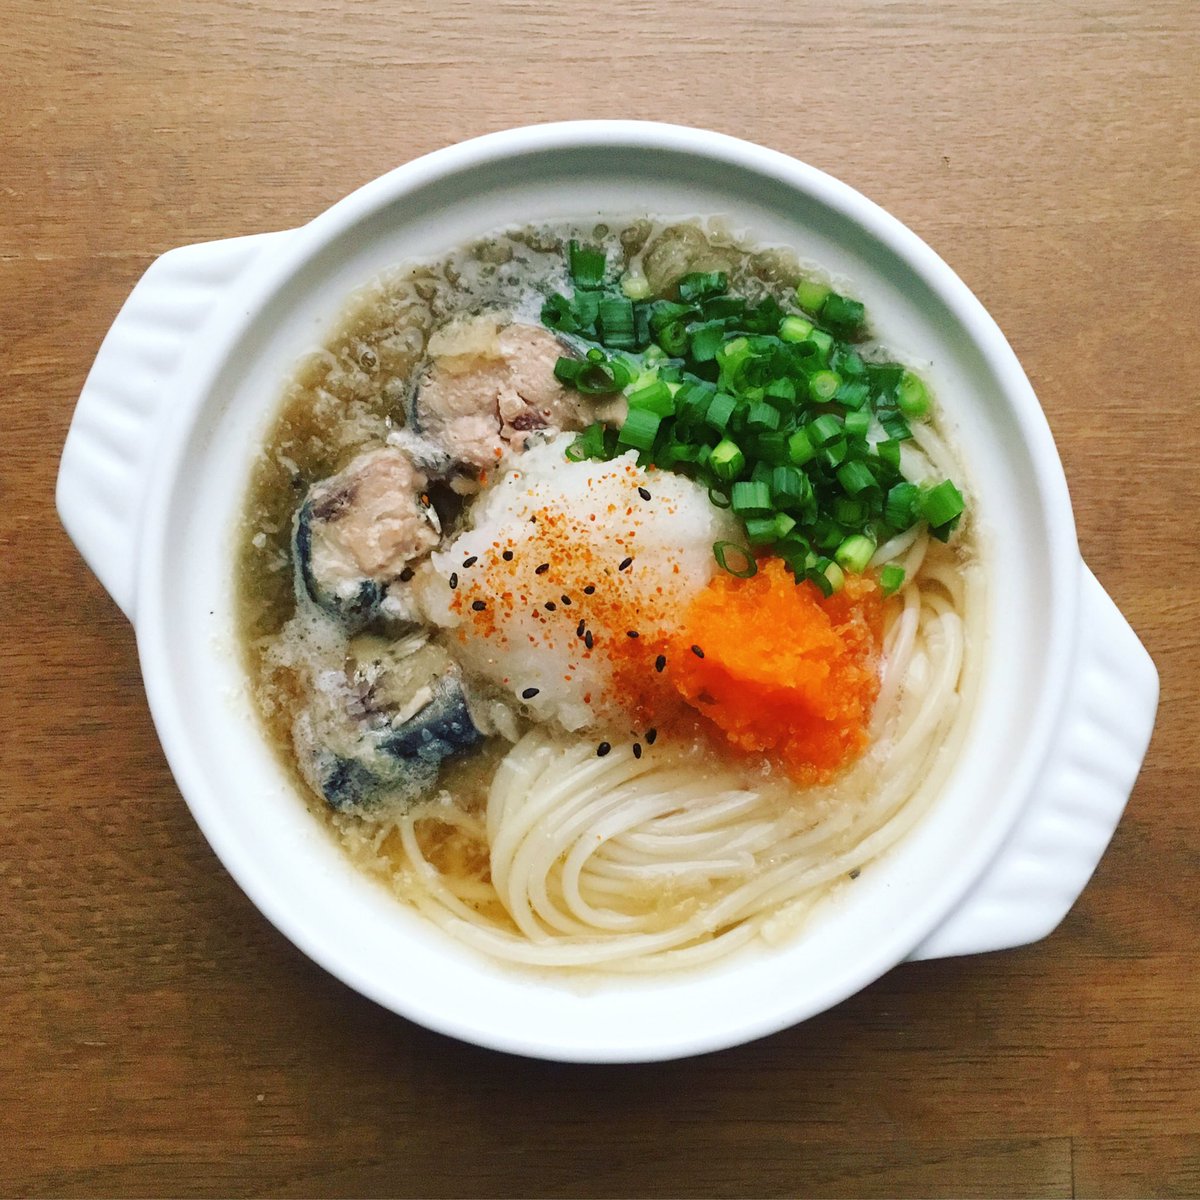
[
  {"x": 697, "y": 652},
  {"x": 660, "y": 663},
  {"x": 406, "y": 574},
  {"x": 542, "y": 569},
  {"x": 550, "y": 606},
  {"x": 507, "y": 556},
  {"x": 855, "y": 873},
  {"x": 453, "y": 580},
  {"x": 529, "y": 693},
  {"x": 602, "y": 749},
  {"x": 588, "y": 640},
  {"x": 625, "y": 562},
  {"x": 478, "y": 605},
  {"x": 651, "y": 735},
  {"x": 590, "y": 589},
  {"x": 566, "y": 600},
  {"x": 471, "y": 560},
  {"x": 580, "y": 628},
  {"x": 637, "y": 750},
  {"x": 645, "y": 495},
  {"x": 631, "y": 633}
]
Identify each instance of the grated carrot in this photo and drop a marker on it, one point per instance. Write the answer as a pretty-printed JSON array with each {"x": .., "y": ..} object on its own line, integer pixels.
[{"x": 780, "y": 670}]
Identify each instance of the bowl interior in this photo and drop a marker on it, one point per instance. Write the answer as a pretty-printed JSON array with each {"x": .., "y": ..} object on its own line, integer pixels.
[{"x": 287, "y": 862}]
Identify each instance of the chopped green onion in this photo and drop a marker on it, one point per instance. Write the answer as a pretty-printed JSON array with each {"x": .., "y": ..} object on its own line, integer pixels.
[
  {"x": 810, "y": 294},
  {"x": 823, "y": 343},
  {"x": 800, "y": 447},
  {"x": 942, "y": 504},
  {"x": 900, "y": 507},
  {"x": 855, "y": 553},
  {"x": 894, "y": 425},
  {"x": 730, "y": 357},
  {"x": 764, "y": 318},
  {"x": 857, "y": 423},
  {"x": 825, "y": 429},
  {"x": 586, "y": 265},
  {"x": 891, "y": 578},
  {"x": 720, "y": 409},
  {"x": 855, "y": 478},
  {"x": 667, "y": 312},
  {"x": 781, "y": 393},
  {"x": 762, "y": 418},
  {"x": 640, "y": 429},
  {"x": 691, "y": 405},
  {"x": 761, "y": 530},
  {"x": 673, "y": 338},
  {"x": 849, "y": 364},
  {"x": 849, "y": 512},
  {"x": 883, "y": 378},
  {"x": 842, "y": 315},
  {"x": 795, "y": 329},
  {"x": 853, "y": 394},
  {"x": 614, "y": 323},
  {"x": 598, "y": 376},
  {"x": 750, "y": 499},
  {"x": 654, "y": 396},
  {"x": 567, "y": 369},
  {"x": 912, "y": 397},
  {"x": 723, "y": 308},
  {"x": 699, "y": 285},
  {"x": 589, "y": 444},
  {"x": 772, "y": 447},
  {"x": 726, "y": 460},
  {"x": 782, "y": 419},
  {"x": 789, "y": 487},
  {"x": 735, "y": 559},
  {"x": 834, "y": 453},
  {"x": 889, "y": 452},
  {"x": 706, "y": 339},
  {"x": 823, "y": 386},
  {"x": 835, "y": 575},
  {"x": 558, "y": 313}
]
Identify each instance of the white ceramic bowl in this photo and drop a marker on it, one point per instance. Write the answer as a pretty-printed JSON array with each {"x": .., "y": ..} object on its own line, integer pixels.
[{"x": 155, "y": 468}]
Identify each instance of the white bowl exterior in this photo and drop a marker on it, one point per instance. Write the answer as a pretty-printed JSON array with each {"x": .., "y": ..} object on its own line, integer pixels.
[{"x": 244, "y": 802}]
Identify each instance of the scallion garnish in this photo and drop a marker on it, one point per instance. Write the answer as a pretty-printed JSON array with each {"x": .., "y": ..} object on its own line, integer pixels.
[
  {"x": 855, "y": 552},
  {"x": 891, "y": 578},
  {"x": 911, "y": 396},
  {"x": 586, "y": 265},
  {"x": 727, "y": 460},
  {"x": 735, "y": 559},
  {"x": 941, "y": 506},
  {"x": 640, "y": 429},
  {"x": 810, "y": 294},
  {"x": 776, "y": 412},
  {"x": 751, "y": 499}
]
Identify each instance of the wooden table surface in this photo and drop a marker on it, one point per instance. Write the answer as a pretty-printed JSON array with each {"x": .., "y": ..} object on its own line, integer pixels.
[{"x": 159, "y": 1037}]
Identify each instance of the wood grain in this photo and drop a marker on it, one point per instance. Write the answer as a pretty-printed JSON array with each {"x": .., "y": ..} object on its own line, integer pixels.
[{"x": 159, "y": 1036}]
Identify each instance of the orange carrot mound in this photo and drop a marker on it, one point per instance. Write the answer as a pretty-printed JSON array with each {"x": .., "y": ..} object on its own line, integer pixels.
[{"x": 785, "y": 671}]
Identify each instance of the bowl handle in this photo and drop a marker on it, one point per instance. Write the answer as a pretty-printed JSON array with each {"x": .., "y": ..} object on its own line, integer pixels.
[
  {"x": 127, "y": 397},
  {"x": 1053, "y": 849}
]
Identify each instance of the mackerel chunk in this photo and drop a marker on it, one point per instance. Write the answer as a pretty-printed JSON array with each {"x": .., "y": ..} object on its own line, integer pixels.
[
  {"x": 358, "y": 531},
  {"x": 377, "y": 734},
  {"x": 489, "y": 386}
]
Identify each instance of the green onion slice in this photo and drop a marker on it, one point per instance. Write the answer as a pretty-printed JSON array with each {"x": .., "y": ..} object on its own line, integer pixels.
[
  {"x": 586, "y": 265},
  {"x": 735, "y": 559}
]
